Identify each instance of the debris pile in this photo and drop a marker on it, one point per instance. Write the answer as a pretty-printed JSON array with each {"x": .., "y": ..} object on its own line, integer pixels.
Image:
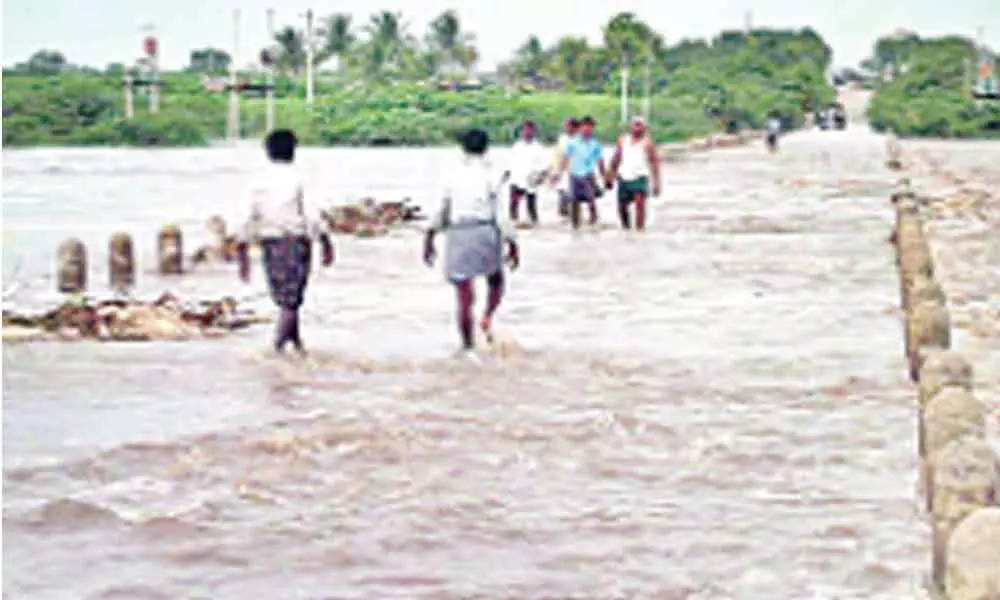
[{"x": 166, "y": 318}]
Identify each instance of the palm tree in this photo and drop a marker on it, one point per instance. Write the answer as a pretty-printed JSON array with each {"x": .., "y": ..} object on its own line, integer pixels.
[
  {"x": 338, "y": 38},
  {"x": 531, "y": 58},
  {"x": 457, "y": 46},
  {"x": 291, "y": 50},
  {"x": 388, "y": 42}
]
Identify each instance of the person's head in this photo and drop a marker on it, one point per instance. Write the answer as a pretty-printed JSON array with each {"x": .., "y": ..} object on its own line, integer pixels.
[
  {"x": 475, "y": 142},
  {"x": 570, "y": 126},
  {"x": 638, "y": 127},
  {"x": 280, "y": 145},
  {"x": 528, "y": 130},
  {"x": 586, "y": 126}
]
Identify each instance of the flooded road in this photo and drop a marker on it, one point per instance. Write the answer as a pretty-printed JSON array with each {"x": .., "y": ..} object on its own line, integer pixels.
[{"x": 713, "y": 409}]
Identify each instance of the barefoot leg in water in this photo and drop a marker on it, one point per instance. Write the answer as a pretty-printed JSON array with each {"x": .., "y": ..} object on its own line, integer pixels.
[
  {"x": 465, "y": 300},
  {"x": 495, "y": 284},
  {"x": 515, "y": 202},
  {"x": 286, "y": 328},
  {"x": 640, "y": 211}
]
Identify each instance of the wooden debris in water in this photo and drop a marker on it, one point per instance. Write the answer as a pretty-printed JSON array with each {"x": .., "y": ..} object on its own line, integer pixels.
[
  {"x": 166, "y": 318},
  {"x": 369, "y": 218}
]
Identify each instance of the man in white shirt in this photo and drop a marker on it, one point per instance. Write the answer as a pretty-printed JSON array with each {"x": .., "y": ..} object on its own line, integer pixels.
[
  {"x": 476, "y": 228},
  {"x": 529, "y": 162},
  {"x": 570, "y": 129},
  {"x": 276, "y": 216}
]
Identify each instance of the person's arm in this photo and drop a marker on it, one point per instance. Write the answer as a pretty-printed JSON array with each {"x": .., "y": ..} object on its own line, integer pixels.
[
  {"x": 318, "y": 228},
  {"x": 507, "y": 230},
  {"x": 616, "y": 160},
  {"x": 654, "y": 165},
  {"x": 437, "y": 224},
  {"x": 245, "y": 231},
  {"x": 562, "y": 162},
  {"x": 601, "y": 167}
]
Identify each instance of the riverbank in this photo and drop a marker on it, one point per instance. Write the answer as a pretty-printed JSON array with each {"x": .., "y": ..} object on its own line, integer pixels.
[{"x": 85, "y": 110}]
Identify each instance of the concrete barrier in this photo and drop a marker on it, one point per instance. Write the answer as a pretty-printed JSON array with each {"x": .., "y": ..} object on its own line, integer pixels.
[
  {"x": 960, "y": 469},
  {"x": 973, "y": 557},
  {"x": 965, "y": 480}
]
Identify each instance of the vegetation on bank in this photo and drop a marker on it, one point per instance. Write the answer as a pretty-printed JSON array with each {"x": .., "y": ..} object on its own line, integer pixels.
[
  {"x": 384, "y": 87},
  {"x": 930, "y": 92}
]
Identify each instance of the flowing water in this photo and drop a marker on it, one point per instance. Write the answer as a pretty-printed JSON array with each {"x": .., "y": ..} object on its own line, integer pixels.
[{"x": 715, "y": 408}]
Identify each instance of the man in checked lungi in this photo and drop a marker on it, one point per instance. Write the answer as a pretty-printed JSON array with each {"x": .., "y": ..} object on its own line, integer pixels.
[
  {"x": 476, "y": 227},
  {"x": 278, "y": 216}
]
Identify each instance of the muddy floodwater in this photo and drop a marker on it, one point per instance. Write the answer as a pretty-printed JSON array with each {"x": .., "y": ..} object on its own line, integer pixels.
[{"x": 716, "y": 408}]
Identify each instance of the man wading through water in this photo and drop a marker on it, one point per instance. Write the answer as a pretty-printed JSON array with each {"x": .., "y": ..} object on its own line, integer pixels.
[
  {"x": 276, "y": 215},
  {"x": 528, "y": 166},
  {"x": 582, "y": 156},
  {"x": 475, "y": 228},
  {"x": 570, "y": 129},
  {"x": 633, "y": 162}
]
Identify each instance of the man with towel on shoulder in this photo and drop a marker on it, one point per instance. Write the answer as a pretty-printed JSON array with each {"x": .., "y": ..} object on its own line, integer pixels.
[
  {"x": 476, "y": 229},
  {"x": 635, "y": 163}
]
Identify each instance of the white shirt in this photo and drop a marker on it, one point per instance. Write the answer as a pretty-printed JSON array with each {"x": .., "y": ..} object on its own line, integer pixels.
[
  {"x": 472, "y": 192},
  {"x": 527, "y": 159},
  {"x": 275, "y": 205},
  {"x": 635, "y": 160},
  {"x": 773, "y": 125}
]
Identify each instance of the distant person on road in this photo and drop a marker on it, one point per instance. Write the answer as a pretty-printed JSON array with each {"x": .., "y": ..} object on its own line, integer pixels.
[
  {"x": 773, "y": 131},
  {"x": 571, "y": 128},
  {"x": 634, "y": 163},
  {"x": 476, "y": 228},
  {"x": 582, "y": 157},
  {"x": 277, "y": 216},
  {"x": 528, "y": 165}
]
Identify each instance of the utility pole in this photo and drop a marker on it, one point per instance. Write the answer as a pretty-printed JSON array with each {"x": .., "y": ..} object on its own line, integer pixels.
[
  {"x": 233, "y": 122},
  {"x": 309, "y": 56},
  {"x": 270, "y": 73},
  {"x": 648, "y": 100},
  {"x": 151, "y": 47},
  {"x": 129, "y": 83}
]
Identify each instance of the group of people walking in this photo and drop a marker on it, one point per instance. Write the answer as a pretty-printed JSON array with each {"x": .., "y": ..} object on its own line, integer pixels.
[
  {"x": 481, "y": 237},
  {"x": 576, "y": 169}
]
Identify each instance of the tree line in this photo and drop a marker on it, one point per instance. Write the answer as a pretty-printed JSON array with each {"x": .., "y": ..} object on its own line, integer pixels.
[{"x": 385, "y": 49}]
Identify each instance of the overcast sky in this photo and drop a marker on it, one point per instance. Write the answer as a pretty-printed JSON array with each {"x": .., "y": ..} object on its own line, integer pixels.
[{"x": 97, "y": 32}]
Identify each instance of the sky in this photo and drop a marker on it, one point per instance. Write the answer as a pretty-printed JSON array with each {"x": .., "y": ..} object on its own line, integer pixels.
[{"x": 98, "y": 32}]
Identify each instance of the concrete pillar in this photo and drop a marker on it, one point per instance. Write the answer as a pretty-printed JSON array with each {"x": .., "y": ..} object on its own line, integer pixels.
[
  {"x": 965, "y": 480},
  {"x": 973, "y": 557},
  {"x": 121, "y": 263},
  {"x": 170, "y": 251},
  {"x": 71, "y": 267}
]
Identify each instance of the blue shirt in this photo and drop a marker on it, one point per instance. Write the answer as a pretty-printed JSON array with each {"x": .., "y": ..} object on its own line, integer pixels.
[{"x": 583, "y": 154}]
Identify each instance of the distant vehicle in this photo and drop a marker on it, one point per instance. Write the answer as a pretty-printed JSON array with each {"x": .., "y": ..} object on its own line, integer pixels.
[{"x": 831, "y": 117}]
